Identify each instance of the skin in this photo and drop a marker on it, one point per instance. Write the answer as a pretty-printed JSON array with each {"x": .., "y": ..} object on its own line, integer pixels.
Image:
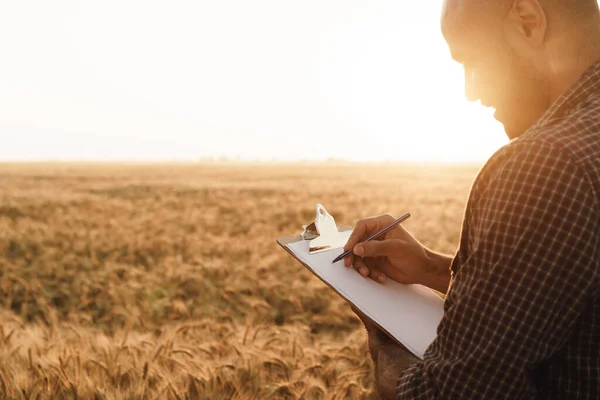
[
  {"x": 389, "y": 358},
  {"x": 519, "y": 56}
]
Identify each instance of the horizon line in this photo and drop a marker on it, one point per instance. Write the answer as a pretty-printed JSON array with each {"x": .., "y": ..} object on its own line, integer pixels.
[{"x": 225, "y": 160}]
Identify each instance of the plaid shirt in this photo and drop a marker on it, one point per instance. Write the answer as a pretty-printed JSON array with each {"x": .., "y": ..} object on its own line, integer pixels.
[{"x": 522, "y": 315}]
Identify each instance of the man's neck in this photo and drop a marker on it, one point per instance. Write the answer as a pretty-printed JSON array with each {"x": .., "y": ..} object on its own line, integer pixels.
[{"x": 572, "y": 55}]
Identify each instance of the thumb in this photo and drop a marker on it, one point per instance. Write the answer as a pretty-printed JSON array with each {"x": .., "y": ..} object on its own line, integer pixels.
[{"x": 376, "y": 248}]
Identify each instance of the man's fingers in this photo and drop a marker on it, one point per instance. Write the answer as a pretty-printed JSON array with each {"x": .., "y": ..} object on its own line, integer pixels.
[
  {"x": 366, "y": 268},
  {"x": 348, "y": 261},
  {"x": 357, "y": 234},
  {"x": 361, "y": 266},
  {"x": 377, "y": 248},
  {"x": 378, "y": 276},
  {"x": 366, "y": 227}
]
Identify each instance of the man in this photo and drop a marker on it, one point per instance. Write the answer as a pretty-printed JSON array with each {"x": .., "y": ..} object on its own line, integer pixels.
[{"x": 522, "y": 313}]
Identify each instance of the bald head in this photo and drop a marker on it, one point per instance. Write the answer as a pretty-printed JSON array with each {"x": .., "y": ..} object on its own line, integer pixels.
[
  {"x": 472, "y": 17},
  {"x": 519, "y": 54},
  {"x": 460, "y": 9},
  {"x": 573, "y": 8},
  {"x": 488, "y": 21}
]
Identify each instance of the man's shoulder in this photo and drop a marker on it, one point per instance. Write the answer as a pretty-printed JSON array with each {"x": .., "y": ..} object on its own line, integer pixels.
[
  {"x": 576, "y": 135},
  {"x": 533, "y": 160},
  {"x": 524, "y": 155},
  {"x": 574, "y": 138}
]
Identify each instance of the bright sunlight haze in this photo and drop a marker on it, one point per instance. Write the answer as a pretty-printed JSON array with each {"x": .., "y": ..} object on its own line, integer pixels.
[{"x": 251, "y": 80}]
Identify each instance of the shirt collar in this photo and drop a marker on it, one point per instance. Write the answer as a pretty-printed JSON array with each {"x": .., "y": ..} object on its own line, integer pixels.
[{"x": 581, "y": 90}]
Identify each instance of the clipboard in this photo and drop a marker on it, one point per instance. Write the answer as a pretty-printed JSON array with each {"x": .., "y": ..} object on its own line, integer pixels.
[
  {"x": 284, "y": 241},
  {"x": 412, "y": 324}
]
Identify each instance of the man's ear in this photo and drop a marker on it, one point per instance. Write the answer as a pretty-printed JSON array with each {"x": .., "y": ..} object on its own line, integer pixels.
[{"x": 528, "y": 19}]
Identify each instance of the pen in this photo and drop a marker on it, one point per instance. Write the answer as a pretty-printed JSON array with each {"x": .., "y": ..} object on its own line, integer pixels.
[{"x": 374, "y": 236}]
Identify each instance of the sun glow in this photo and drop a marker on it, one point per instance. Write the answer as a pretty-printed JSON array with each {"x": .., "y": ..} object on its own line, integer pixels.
[{"x": 267, "y": 79}]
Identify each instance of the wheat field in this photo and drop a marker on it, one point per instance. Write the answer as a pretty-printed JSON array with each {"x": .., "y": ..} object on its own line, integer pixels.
[{"x": 165, "y": 281}]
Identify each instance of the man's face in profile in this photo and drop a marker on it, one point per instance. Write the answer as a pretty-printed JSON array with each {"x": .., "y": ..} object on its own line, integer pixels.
[{"x": 495, "y": 73}]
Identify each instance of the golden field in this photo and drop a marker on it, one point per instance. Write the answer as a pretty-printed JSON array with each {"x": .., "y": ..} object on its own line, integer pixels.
[{"x": 165, "y": 281}]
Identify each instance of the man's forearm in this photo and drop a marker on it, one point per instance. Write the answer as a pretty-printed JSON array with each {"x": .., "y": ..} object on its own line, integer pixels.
[{"x": 439, "y": 276}]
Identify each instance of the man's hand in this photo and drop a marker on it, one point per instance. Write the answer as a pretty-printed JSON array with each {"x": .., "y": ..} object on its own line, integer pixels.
[
  {"x": 389, "y": 358},
  {"x": 396, "y": 255}
]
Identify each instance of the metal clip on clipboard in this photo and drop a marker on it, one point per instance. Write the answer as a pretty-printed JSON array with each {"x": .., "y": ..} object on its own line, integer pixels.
[{"x": 323, "y": 233}]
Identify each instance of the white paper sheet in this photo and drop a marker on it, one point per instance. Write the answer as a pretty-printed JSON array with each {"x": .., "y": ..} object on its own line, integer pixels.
[{"x": 410, "y": 313}]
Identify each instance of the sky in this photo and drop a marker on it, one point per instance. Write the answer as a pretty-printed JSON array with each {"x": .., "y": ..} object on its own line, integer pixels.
[{"x": 268, "y": 80}]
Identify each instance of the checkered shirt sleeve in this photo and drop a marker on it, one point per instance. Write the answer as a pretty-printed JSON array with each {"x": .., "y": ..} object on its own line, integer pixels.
[{"x": 528, "y": 268}]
